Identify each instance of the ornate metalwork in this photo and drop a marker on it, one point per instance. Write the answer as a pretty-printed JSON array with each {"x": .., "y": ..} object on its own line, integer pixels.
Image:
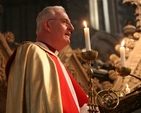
[
  {"x": 108, "y": 99},
  {"x": 123, "y": 71},
  {"x": 90, "y": 56}
]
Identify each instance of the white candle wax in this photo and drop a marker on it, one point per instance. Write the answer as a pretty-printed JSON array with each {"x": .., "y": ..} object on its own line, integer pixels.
[
  {"x": 127, "y": 90},
  {"x": 122, "y": 54},
  {"x": 87, "y": 37}
]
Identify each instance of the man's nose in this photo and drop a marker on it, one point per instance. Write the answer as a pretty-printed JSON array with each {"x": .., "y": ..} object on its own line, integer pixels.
[{"x": 71, "y": 28}]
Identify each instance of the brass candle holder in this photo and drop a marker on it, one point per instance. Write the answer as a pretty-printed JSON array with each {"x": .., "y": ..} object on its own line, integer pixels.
[
  {"x": 109, "y": 99},
  {"x": 123, "y": 71},
  {"x": 90, "y": 56}
]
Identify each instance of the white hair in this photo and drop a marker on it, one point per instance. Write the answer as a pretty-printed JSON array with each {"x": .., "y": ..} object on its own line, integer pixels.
[{"x": 47, "y": 13}]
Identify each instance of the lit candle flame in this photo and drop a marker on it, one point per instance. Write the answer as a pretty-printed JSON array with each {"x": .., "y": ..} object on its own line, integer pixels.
[
  {"x": 127, "y": 89},
  {"x": 127, "y": 86},
  {"x": 122, "y": 43},
  {"x": 85, "y": 23}
]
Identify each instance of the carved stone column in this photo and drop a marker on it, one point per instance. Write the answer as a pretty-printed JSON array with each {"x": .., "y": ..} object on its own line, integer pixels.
[
  {"x": 137, "y": 4},
  {"x": 5, "y": 53}
]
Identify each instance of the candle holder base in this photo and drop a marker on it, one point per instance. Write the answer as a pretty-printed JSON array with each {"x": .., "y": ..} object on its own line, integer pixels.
[
  {"x": 89, "y": 55},
  {"x": 123, "y": 71}
]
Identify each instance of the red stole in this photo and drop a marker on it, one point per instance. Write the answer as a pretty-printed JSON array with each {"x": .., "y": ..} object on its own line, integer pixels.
[{"x": 68, "y": 102}]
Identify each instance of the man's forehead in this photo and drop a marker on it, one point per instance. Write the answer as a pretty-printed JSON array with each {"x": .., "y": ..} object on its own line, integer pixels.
[{"x": 62, "y": 15}]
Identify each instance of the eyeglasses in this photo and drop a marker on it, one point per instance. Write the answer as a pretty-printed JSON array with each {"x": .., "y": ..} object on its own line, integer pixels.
[{"x": 63, "y": 20}]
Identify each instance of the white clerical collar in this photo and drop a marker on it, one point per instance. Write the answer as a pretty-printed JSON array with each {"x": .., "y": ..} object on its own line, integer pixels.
[{"x": 42, "y": 44}]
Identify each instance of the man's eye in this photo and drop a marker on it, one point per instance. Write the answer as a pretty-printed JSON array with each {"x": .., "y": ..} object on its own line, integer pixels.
[{"x": 65, "y": 21}]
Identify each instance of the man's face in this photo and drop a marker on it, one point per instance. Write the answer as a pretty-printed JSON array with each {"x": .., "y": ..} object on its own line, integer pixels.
[{"x": 60, "y": 29}]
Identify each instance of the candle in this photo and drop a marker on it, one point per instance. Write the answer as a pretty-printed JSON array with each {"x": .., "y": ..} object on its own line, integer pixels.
[
  {"x": 122, "y": 54},
  {"x": 87, "y": 37},
  {"x": 127, "y": 90},
  {"x": 121, "y": 95}
]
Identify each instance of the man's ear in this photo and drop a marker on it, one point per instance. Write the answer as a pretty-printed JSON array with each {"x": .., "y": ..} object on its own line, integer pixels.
[{"x": 46, "y": 25}]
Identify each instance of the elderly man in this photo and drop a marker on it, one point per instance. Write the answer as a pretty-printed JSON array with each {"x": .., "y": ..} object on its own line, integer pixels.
[{"x": 37, "y": 80}]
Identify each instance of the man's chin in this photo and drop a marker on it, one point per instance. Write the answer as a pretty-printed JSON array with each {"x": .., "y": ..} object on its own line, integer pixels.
[{"x": 68, "y": 41}]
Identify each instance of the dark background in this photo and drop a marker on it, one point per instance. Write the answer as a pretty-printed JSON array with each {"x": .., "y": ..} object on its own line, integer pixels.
[{"x": 19, "y": 17}]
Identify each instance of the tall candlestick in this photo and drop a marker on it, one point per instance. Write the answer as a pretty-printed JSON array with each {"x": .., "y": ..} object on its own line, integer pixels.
[
  {"x": 87, "y": 37},
  {"x": 122, "y": 54}
]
